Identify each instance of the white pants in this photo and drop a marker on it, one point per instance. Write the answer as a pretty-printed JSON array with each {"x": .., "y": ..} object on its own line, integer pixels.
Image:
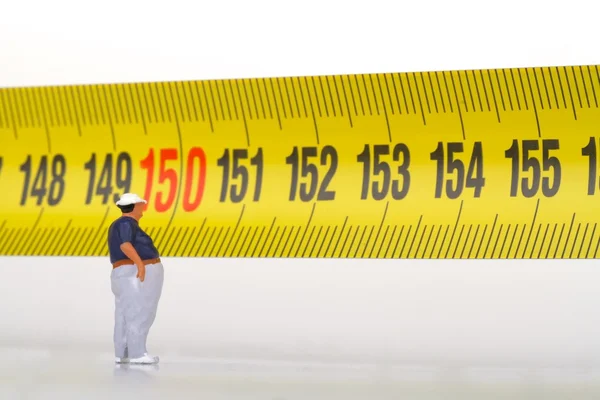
[{"x": 135, "y": 307}]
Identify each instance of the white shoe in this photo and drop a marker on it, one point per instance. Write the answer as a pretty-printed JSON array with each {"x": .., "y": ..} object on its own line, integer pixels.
[
  {"x": 121, "y": 360},
  {"x": 145, "y": 359}
]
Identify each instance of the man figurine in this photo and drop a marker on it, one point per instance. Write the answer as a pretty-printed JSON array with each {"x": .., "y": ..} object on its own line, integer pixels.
[{"x": 136, "y": 282}]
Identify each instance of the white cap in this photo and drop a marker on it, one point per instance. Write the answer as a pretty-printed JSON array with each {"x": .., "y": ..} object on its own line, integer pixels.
[{"x": 130, "y": 198}]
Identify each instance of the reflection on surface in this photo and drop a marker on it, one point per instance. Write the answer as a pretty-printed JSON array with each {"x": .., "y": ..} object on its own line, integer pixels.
[
  {"x": 136, "y": 371},
  {"x": 54, "y": 374}
]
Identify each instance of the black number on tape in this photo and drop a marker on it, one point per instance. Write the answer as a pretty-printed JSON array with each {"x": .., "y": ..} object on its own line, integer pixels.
[
  {"x": 1, "y": 160},
  {"x": 104, "y": 185},
  {"x": 233, "y": 169},
  {"x": 304, "y": 167},
  {"x": 524, "y": 161},
  {"x": 591, "y": 151},
  {"x": 54, "y": 193},
  {"x": 447, "y": 162},
  {"x": 378, "y": 167}
]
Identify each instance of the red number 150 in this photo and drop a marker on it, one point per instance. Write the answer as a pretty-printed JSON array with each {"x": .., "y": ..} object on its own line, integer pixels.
[{"x": 168, "y": 175}]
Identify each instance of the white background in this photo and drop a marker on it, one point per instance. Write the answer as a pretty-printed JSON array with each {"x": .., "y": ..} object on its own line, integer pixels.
[{"x": 490, "y": 312}]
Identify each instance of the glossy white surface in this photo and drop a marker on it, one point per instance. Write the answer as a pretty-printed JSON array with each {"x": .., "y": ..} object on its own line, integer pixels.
[{"x": 57, "y": 373}]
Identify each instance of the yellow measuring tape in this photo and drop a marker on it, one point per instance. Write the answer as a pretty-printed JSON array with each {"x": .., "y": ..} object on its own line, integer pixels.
[{"x": 462, "y": 164}]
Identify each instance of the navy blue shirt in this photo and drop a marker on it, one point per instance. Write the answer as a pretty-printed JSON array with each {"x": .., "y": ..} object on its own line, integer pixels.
[{"x": 127, "y": 229}]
